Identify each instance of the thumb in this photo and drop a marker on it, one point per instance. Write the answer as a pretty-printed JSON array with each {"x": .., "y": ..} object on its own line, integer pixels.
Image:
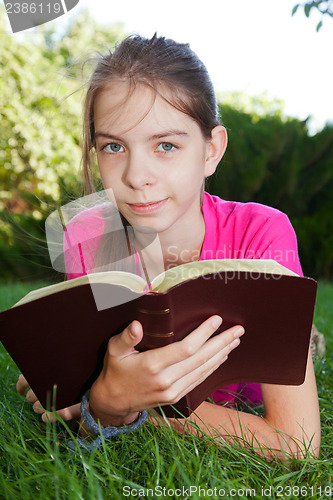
[{"x": 124, "y": 343}]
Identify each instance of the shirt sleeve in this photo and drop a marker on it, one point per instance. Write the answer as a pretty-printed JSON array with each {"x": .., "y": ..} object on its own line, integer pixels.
[
  {"x": 81, "y": 241},
  {"x": 277, "y": 240},
  {"x": 74, "y": 257}
]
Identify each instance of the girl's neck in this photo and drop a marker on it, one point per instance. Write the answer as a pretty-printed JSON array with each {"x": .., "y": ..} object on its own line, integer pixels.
[
  {"x": 179, "y": 244},
  {"x": 186, "y": 248}
]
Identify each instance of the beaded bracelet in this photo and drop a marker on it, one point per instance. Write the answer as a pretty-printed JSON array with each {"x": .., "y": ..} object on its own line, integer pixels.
[{"x": 106, "y": 432}]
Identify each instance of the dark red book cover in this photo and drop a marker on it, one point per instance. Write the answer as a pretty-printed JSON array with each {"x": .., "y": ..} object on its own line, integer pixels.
[{"x": 60, "y": 340}]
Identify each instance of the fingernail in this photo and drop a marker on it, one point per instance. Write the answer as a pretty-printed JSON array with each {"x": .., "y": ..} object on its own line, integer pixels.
[
  {"x": 239, "y": 332},
  {"x": 130, "y": 329},
  {"x": 216, "y": 322},
  {"x": 234, "y": 343}
]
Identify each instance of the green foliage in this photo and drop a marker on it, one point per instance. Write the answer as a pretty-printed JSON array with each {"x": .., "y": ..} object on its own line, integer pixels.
[
  {"x": 39, "y": 133},
  {"x": 274, "y": 161},
  {"x": 325, "y": 7},
  {"x": 270, "y": 159},
  {"x": 254, "y": 105},
  {"x": 40, "y": 130}
]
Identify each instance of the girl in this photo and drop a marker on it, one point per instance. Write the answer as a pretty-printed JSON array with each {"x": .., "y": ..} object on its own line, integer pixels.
[{"x": 151, "y": 120}]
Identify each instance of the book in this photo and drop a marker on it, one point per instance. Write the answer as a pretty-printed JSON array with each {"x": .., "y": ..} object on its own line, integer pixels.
[{"x": 58, "y": 335}]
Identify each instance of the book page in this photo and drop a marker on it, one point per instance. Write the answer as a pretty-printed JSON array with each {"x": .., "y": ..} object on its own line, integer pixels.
[
  {"x": 191, "y": 270},
  {"x": 164, "y": 281},
  {"x": 128, "y": 280}
]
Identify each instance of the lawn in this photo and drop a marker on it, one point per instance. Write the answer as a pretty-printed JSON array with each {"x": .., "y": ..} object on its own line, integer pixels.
[{"x": 36, "y": 462}]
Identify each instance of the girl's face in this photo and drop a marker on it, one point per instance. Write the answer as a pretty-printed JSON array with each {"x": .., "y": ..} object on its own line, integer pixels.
[{"x": 154, "y": 158}]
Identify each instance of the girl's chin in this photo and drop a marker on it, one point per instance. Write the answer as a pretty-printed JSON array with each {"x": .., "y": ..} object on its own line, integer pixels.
[{"x": 148, "y": 224}]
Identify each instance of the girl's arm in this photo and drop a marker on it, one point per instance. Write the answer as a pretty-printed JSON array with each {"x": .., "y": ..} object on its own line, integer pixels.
[{"x": 290, "y": 426}]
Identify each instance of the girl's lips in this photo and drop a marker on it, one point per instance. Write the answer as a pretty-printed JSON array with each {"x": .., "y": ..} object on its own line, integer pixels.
[{"x": 146, "y": 208}]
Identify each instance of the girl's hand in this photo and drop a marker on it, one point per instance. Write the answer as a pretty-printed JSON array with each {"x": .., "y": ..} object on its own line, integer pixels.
[
  {"x": 66, "y": 413},
  {"x": 132, "y": 381}
]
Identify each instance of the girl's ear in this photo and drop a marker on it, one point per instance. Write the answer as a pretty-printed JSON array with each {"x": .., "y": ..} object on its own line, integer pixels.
[{"x": 216, "y": 147}]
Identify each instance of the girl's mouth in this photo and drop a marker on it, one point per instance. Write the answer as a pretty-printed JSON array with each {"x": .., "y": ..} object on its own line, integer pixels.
[{"x": 146, "y": 208}]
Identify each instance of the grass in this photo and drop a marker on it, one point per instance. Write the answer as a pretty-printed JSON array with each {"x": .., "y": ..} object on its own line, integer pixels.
[{"x": 36, "y": 463}]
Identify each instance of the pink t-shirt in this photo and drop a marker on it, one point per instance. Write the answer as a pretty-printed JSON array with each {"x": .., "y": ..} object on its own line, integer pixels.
[
  {"x": 237, "y": 230},
  {"x": 234, "y": 230}
]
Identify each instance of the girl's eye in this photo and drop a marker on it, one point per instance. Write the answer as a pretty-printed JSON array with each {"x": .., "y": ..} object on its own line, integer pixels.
[
  {"x": 165, "y": 147},
  {"x": 113, "y": 147}
]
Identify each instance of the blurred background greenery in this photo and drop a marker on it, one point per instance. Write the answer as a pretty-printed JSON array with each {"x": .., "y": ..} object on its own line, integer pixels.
[{"x": 271, "y": 158}]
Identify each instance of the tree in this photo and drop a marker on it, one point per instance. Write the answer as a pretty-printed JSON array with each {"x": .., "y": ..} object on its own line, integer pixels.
[
  {"x": 40, "y": 128},
  {"x": 273, "y": 160},
  {"x": 325, "y": 7},
  {"x": 270, "y": 159}
]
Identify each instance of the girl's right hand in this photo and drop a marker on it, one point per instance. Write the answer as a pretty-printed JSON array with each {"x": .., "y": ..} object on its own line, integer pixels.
[
  {"x": 132, "y": 381},
  {"x": 66, "y": 413}
]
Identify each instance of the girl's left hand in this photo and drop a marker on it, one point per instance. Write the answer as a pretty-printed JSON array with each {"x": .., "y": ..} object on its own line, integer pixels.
[{"x": 66, "y": 413}]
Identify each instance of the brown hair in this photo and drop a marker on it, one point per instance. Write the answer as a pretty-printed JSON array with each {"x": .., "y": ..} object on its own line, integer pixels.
[{"x": 156, "y": 62}]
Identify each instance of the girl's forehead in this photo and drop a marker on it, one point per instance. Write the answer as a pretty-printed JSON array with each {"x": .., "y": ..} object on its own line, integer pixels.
[
  {"x": 120, "y": 108},
  {"x": 119, "y": 103}
]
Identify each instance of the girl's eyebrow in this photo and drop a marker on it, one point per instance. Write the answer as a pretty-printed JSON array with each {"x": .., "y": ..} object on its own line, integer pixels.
[{"x": 167, "y": 133}]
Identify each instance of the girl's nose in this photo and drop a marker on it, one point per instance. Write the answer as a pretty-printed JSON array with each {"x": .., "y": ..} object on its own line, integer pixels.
[{"x": 139, "y": 172}]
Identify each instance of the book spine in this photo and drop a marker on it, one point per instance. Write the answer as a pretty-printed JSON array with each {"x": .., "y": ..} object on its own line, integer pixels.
[{"x": 155, "y": 315}]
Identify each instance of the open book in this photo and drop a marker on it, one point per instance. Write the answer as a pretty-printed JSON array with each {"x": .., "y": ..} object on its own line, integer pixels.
[{"x": 58, "y": 335}]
